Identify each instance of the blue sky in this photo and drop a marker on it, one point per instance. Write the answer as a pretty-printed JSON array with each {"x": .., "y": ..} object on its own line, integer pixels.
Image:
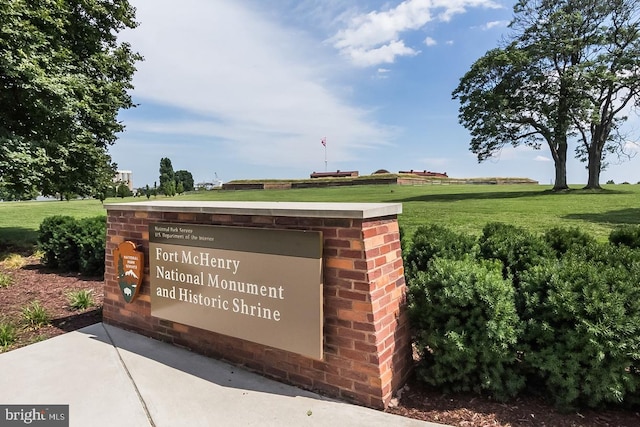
[{"x": 246, "y": 89}]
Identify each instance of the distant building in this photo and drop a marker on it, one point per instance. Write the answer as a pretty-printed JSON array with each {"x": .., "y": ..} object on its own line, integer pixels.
[
  {"x": 426, "y": 173},
  {"x": 217, "y": 183},
  {"x": 124, "y": 176},
  {"x": 336, "y": 174}
]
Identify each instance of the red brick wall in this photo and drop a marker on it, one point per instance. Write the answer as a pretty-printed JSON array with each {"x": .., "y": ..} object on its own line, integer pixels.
[{"x": 367, "y": 354}]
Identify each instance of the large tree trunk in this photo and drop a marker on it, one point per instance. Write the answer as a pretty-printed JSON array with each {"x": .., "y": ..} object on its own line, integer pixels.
[
  {"x": 559, "y": 146},
  {"x": 560, "y": 160},
  {"x": 594, "y": 166},
  {"x": 599, "y": 135}
]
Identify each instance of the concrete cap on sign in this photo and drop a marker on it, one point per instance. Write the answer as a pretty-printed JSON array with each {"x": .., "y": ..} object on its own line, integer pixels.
[{"x": 287, "y": 209}]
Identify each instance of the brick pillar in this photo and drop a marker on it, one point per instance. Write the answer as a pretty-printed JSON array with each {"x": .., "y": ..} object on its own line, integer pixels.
[
  {"x": 367, "y": 354},
  {"x": 365, "y": 321}
]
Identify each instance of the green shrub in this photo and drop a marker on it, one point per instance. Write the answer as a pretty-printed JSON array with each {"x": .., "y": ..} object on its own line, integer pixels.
[
  {"x": 582, "y": 327},
  {"x": 561, "y": 311},
  {"x": 48, "y": 227},
  {"x": 91, "y": 243},
  {"x": 35, "y": 315},
  {"x": 81, "y": 299},
  {"x": 627, "y": 236},
  {"x": 404, "y": 245},
  {"x": 56, "y": 239},
  {"x": 5, "y": 280},
  {"x": 8, "y": 334},
  {"x": 436, "y": 241},
  {"x": 467, "y": 327},
  {"x": 516, "y": 248},
  {"x": 69, "y": 244},
  {"x": 14, "y": 261},
  {"x": 607, "y": 254},
  {"x": 561, "y": 239}
]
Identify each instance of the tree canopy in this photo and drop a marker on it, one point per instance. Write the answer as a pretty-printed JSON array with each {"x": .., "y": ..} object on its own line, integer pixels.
[
  {"x": 174, "y": 182},
  {"x": 64, "y": 75},
  {"x": 185, "y": 178},
  {"x": 568, "y": 74},
  {"x": 167, "y": 177}
]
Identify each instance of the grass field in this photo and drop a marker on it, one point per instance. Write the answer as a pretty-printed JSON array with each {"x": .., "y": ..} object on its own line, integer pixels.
[{"x": 462, "y": 207}]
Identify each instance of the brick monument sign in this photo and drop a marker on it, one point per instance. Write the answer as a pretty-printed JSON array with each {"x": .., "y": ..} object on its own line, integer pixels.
[{"x": 312, "y": 294}]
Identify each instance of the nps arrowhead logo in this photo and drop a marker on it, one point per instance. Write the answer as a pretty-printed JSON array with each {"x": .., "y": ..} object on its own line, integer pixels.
[{"x": 130, "y": 267}]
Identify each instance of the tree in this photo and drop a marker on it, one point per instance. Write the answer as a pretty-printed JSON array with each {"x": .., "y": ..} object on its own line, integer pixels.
[
  {"x": 185, "y": 177},
  {"x": 610, "y": 74},
  {"x": 123, "y": 190},
  {"x": 167, "y": 176},
  {"x": 169, "y": 189},
  {"x": 179, "y": 188},
  {"x": 570, "y": 71},
  {"x": 101, "y": 195},
  {"x": 602, "y": 41},
  {"x": 64, "y": 76},
  {"x": 506, "y": 99}
]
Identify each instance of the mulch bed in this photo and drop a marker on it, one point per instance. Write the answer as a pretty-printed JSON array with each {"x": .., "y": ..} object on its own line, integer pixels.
[
  {"x": 32, "y": 283},
  {"x": 420, "y": 402}
]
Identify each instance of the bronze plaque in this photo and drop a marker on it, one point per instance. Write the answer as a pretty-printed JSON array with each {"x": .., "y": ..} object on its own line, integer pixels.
[
  {"x": 130, "y": 266},
  {"x": 260, "y": 285}
]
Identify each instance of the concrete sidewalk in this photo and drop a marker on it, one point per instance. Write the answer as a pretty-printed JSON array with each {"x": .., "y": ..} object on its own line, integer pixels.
[{"x": 110, "y": 377}]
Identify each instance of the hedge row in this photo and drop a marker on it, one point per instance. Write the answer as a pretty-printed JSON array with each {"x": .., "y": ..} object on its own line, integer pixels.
[
  {"x": 71, "y": 244},
  {"x": 557, "y": 314}
]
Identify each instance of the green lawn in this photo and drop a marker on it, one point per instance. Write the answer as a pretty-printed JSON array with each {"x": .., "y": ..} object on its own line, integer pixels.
[
  {"x": 462, "y": 207},
  {"x": 19, "y": 221},
  {"x": 470, "y": 207}
]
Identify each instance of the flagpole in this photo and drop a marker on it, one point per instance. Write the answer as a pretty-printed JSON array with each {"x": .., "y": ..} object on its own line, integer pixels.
[{"x": 323, "y": 141}]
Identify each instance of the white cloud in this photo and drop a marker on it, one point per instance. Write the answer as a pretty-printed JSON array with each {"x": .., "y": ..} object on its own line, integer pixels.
[
  {"x": 253, "y": 89},
  {"x": 382, "y": 73},
  {"x": 542, "y": 159},
  {"x": 379, "y": 32},
  {"x": 494, "y": 24},
  {"x": 382, "y": 55},
  {"x": 430, "y": 41},
  {"x": 449, "y": 42},
  {"x": 632, "y": 148}
]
